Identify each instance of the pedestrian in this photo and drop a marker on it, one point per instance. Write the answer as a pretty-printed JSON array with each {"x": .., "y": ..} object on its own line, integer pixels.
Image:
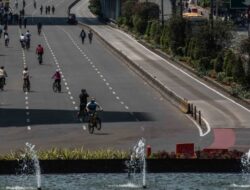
[
  {"x": 25, "y": 22},
  {"x": 90, "y": 35},
  {"x": 53, "y": 9},
  {"x": 82, "y": 35},
  {"x": 48, "y": 9},
  {"x": 41, "y": 10}
]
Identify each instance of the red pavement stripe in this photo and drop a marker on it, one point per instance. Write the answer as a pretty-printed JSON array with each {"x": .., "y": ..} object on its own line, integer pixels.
[{"x": 223, "y": 138}]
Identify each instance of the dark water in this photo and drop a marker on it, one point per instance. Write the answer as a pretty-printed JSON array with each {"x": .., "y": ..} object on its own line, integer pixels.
[{"x": 168, "y": 181}]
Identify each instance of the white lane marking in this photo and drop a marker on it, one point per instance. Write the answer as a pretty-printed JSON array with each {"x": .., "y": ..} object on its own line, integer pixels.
[
  {"x": 84, "y": 127},
  {"x": 190, "y": 76},
  {"x": 58, "y": 65},
  {"x": 91, "y": 63},
  {"x": 28, "y": 128},
  {"x": 122, "y": 103},
  {"x": 199, "y": 127}
]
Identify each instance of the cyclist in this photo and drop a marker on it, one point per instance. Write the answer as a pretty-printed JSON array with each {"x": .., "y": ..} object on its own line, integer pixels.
[
  {"x": 3, "y": 74},
  {"x": 22, "y": 40},
  {"x": 57, "y": 77},
  {"x": 26, "y": 76},
  {"x": 6, "y": 38},
  {"x": 27, "y": 38},
  {"x": 92, "y": 106},
  {"x": 90, "y": 35},
  {"x": 83, "y": 101},
  {"x": 39, "y": 27}
]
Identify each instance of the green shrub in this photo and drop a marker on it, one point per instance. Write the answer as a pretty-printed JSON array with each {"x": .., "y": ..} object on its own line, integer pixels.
[
  {"x": 95, "y": 7},
  {"x": 221, "y": 76},
  {"x": 139, "y": 24}
]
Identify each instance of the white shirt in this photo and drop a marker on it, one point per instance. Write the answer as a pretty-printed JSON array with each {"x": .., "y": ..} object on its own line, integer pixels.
[
  {"x": 25, "y": 74},
  {"x": 22, "y": 37}
]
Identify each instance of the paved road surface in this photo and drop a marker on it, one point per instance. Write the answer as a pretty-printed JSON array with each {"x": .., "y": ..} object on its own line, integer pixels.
[
  {"x": 224, "y": 115},
  {"x": 132, "y": 108}
]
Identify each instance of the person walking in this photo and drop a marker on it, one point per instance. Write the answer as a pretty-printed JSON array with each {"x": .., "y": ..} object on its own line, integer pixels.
[
  {"x": 82, "y": 35},
  {"x": 25, "y": 22},
  {"x": 90, "y": 35}
]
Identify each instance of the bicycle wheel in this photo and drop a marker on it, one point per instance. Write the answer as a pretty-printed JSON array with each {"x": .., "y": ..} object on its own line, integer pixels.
[
  {"x": 91, "y": 128},
  {"x": 98, "y": 124},
  {"x": 54, "y": 87}
]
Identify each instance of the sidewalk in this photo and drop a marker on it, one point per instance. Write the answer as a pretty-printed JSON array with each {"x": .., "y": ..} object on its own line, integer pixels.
[{"x": 219, "y": 110}]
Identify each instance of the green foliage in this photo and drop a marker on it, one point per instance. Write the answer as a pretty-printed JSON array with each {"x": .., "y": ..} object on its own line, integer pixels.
[
  {"x": 176, "y": 33},
  {"x": 70, "y": 154},
  {"x": 229, "y": 61},
  {"x": 147, "y": 11},
  {"x": 238, "y": 72},
  {"x": 139, "y": 24},
  {"x": 218, "y": 62},
  {"x": 155, "y": 31},
  {"x": 221, "y": 76},
  {"x": 95, "y": 7},
  {"x": 245, "y": 46},
  {"x": 204, "y": 64},
  {"x": 204, "y": 3},
  {"x": 164, "y": 40}
]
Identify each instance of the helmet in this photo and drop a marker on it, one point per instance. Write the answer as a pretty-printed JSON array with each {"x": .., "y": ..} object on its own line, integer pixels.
[
  {"x": 25, "y": 68},
  {"x": 2, "y": 67},
  {"x": 57, "y": 70},
  {"x": 92, "y": 100},
  {"x": 83, "y": 90}
]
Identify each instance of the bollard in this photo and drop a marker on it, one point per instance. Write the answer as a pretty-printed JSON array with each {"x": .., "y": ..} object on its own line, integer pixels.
[
  {"x": 199, "y": 117},
  {"x": 148, "y": 151},
  {"x": 192, "y": 110},
  {"x": 195, "y": 117}
]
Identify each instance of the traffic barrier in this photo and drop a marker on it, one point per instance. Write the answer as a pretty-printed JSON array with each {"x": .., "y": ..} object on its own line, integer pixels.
[{"x": 186, "y": 150}]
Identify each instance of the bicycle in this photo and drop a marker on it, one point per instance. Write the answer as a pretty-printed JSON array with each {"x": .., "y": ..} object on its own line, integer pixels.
[
  {"x": 56, "y": 86},
  {"x": 2, "y": 84},
  {"x": 94, "y": 122}
]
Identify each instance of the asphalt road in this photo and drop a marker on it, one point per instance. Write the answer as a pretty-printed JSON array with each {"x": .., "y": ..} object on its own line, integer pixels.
[
  {"x": 226, "y": 117},
  {"x": 132, "y": 108}
]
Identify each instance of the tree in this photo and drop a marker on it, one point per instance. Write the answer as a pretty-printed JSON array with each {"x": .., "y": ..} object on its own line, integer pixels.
[
  {"x": 245, "y": 49},
  {"x": 238, "y": 72},
  {"x": 177, "y": 37}
]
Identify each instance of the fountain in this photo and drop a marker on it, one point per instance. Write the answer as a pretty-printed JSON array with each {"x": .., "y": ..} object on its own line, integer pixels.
[
  {"x": 32, "y": 153},
  {"x": 245, "y": 162},
  {"x": 137, "y": 161}
]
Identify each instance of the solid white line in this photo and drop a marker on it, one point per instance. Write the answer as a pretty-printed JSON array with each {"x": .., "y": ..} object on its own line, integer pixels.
[{"x": 203, "y": 84}]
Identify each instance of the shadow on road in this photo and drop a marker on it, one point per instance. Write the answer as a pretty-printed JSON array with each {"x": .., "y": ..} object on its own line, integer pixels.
[{"x": 18, "y": 117}]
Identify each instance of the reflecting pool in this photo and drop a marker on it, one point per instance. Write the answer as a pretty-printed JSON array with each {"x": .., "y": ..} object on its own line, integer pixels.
[{"x": 168, "y": 181}]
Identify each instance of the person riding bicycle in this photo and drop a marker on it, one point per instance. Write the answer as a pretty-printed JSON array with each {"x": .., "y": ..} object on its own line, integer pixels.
[
  {"x": 26, "y": 76},
  {"x": 39, "y": 27},
  {"x": 3, "y": 74},
  {"x": 27, "y": 38},
  {"x": 83, "y": 101},
  {"x": 6, "y": 38},
  {"x": 22, "y": 40},
  {"x": 92, "y": 106},
  {"x": 57, "y": 77}
]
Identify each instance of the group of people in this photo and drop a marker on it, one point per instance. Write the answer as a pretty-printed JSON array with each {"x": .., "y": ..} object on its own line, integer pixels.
[
  {"x": 25, "y": 39},
  {"x": 83, "y": 36},
  {"x": 47, "y": 9},
  {"x": 86, "y": 106}
]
